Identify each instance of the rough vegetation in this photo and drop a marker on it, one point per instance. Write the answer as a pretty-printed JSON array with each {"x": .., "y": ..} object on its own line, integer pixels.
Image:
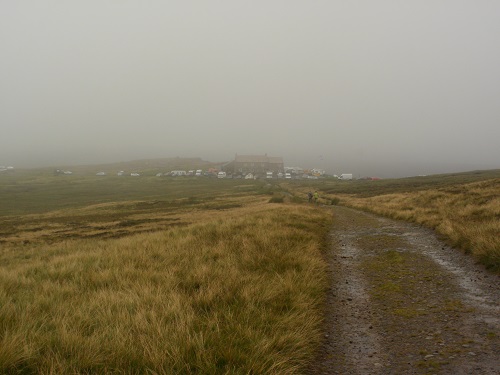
[
  {"x": 185, "y": 276},
  {"x": 467, "y": 215},
  {"x": 231, "y": 284},
  {"x": 463, "y": 208}
]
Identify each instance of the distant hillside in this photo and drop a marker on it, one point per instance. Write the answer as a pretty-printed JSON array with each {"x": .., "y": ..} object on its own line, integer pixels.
[
  {"x": 363, "y": 188},
  {"x": 142, "y": 166},
  {"x": 165, "y": 164}
]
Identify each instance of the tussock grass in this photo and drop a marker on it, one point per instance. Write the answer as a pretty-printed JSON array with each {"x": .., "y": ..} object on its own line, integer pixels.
[
  {"x": 468, "y": 215},
  {"x": 463, "y": 208},
  {"x": 277, "y": 198},
  {"x": 116, "y": 219},
  {"x": 236, "y": 294}
]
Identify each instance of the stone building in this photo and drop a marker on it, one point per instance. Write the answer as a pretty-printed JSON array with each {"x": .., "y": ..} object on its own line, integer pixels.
[{"x": 257, "y": 164}]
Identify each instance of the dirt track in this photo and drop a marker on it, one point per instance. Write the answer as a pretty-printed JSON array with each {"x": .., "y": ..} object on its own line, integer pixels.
[{"x": 402, "y": 302}]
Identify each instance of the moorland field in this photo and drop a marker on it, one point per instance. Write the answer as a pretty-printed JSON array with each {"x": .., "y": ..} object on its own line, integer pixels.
[
  {"x": 186, "y": 275},
  {"x": 463, "y": 208}
]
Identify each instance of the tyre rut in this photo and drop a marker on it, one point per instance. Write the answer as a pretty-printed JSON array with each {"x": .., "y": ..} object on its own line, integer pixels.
[{"x": 401, "y": 301}]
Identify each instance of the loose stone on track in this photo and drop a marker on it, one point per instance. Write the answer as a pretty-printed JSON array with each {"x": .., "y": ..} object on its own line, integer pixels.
[{"x": 402, "y": 302}]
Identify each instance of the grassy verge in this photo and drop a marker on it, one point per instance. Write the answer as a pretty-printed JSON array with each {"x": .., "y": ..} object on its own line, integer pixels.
[
  {"x": 463, "y": 208},
  {"x": 238, "y": 292},
  {"x": 467, "y": 216}
]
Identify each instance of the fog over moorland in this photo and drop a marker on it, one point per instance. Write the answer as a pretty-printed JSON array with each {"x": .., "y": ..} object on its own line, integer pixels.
[{"x": 381, "y": 88}]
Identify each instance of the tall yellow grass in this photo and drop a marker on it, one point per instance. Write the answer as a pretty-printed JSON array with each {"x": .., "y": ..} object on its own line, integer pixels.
[
  {"x": 467, "y": 215},
  {"x": 232, "y": 295}
]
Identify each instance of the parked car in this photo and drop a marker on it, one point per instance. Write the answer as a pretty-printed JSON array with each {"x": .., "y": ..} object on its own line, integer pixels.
[
  {"x": 135, "y": 174},
  {"x": 178, "y": 173}
]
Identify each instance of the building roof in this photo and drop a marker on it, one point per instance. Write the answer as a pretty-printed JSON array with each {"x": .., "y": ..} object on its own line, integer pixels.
[
  {"x": 257, "y": 159},
  {"x": 275, "y": 160}
]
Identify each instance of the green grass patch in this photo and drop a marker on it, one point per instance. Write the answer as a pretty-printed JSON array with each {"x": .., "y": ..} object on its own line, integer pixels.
[
  {"x": 38, "y": 194},
  {"x": 491, "y": 335}
]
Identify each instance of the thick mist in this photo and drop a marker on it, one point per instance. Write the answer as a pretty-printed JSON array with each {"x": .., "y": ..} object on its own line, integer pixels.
[{"x": 383, "y": 88}]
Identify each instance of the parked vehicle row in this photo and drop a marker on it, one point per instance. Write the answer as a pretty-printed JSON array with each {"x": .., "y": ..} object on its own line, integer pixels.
[{"x": 213, "y": 173}]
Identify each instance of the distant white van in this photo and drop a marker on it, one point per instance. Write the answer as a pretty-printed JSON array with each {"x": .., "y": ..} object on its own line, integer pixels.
[
  {"x": 345, "y": 176},
  {"x": 221, "y": 175},
  {"x": 269, "y": 174},
  {"x": 288, "y": 175},
  {"x": 199, "y": 172}
]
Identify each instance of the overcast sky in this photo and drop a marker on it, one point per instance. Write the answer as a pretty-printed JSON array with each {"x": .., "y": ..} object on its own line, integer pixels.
[{"x": 389, "y": 88}]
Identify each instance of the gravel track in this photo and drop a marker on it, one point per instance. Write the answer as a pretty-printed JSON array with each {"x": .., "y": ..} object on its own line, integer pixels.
[{"x": 403, "y": 302}]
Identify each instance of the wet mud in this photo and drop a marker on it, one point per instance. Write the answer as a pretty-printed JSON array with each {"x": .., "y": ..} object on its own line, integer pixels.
[{"x": 402, "y": 302}]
